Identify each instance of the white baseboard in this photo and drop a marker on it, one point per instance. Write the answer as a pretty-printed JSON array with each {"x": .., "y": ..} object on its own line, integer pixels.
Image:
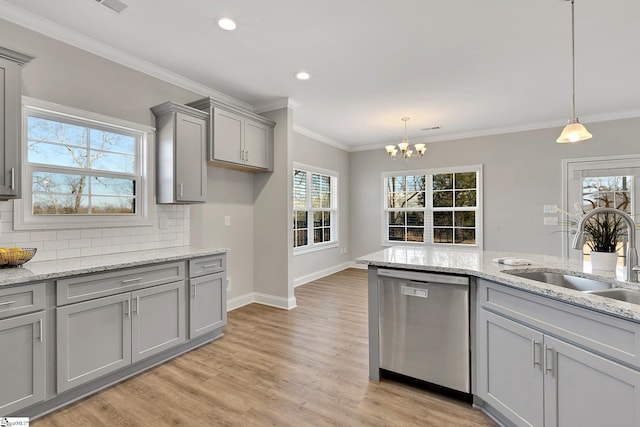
[
  {"x": 320, "y": 274},
  {"x": 259, "y": 298},
  {"x": 353, "y": 264}
]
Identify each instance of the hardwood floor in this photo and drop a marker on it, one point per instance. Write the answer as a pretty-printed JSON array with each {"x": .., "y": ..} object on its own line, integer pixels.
[{"x": 304, "y": 367}]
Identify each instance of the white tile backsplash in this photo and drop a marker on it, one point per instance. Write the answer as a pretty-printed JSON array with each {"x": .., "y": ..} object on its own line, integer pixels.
[{"x": 170, "y": 229}]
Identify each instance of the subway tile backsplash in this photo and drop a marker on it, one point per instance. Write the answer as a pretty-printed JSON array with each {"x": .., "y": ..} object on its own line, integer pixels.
[{"x": 170, "y": 228}]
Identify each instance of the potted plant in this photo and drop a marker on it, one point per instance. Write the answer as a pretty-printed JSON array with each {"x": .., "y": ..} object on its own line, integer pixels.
[{"x": 604, "y": 233}]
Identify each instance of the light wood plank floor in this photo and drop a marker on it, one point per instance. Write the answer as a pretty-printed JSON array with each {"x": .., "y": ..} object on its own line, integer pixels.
[{"x": 305, "y": 367}]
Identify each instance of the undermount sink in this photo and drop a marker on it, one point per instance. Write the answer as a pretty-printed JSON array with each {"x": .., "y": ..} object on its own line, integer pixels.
[
  {"x": 621, "y": 294},
  {"x": 563, "y": 280}
]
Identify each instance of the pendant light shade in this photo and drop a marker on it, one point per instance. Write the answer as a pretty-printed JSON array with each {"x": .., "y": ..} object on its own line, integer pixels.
[{"x": 574, "y": 131}]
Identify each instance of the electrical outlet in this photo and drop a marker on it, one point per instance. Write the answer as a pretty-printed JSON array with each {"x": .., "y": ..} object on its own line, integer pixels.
[
  {"x": 228, "y": 284},
  {"x": 550, "y": 220},
  {"x": 227, "y": 221},
  {"x": 550, "y": 209}
]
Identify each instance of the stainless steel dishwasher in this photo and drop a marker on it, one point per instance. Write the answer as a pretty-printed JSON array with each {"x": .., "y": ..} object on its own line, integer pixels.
[{"x": 424, "y": 327}]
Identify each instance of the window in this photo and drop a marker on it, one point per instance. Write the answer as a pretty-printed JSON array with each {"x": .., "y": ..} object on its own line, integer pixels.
[
  {"x": 80, "y": 169},
  {"x": 314, "y": 209},
  {"x": 434, "y": 207},
  {"x": 610, "y": 181}
]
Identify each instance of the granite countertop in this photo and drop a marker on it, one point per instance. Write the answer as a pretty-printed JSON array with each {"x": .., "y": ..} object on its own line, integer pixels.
[
  {"x": 48, "y": 270},
  {"x": 473, "y": 262}
]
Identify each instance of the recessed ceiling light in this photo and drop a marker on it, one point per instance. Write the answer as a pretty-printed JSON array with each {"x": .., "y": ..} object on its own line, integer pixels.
[
  {"x": 227, "y": 24},
  {"x": 302, "y": 75}
]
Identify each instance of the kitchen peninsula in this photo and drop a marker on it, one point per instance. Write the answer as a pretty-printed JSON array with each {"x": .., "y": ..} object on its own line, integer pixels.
[{"x": 538, "y": 351}]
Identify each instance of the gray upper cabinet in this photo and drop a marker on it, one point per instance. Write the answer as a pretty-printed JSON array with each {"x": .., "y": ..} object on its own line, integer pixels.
[
  {"x": 10, "y": 119},
  {"x": 237, "y": 139},
  {"x": 181, "y": 139}
]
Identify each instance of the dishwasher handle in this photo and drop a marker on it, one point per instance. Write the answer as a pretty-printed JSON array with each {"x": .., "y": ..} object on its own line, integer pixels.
[{"x": 423, "y": 277}]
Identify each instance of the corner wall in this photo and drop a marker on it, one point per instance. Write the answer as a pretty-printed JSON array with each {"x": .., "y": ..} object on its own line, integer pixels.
[{"x": 314, "y": 265}]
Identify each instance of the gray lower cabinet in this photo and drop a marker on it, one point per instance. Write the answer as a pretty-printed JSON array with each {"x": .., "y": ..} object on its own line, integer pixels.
[
  {"x": 22, "y": 362},
  {"x": 208, "y": 304},
  {"x": 532, "y": 378},
  {"x": 106, "y": 334}
]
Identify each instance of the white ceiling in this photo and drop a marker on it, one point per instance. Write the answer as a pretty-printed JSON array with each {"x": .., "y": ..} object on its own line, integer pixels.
[{"x": 472, "y": 67}]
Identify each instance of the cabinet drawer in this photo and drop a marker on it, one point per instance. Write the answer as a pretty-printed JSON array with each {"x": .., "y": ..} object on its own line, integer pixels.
[
  {"x": 610, "y": 336},
  {"x": 21, "y": 299},
  {"x": 207, "y": 265},
  {"x": 102, "y": 284}
]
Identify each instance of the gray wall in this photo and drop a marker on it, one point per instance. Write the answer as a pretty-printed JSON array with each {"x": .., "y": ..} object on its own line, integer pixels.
[
  {"x": 311, "y": 152},
  {"x": 273, "y": 222},
  {"x": 229, "y": 193},
  {"x": 522, "y": 172}
]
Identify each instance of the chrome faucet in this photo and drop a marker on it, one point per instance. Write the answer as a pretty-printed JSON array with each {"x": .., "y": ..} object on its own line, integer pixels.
[{"x": 632, "y": 267}]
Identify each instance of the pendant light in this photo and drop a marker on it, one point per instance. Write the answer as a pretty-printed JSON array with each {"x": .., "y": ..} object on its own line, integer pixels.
[
  {"x": 574, "y": 131},
  {"x": 403, "y": 146}
]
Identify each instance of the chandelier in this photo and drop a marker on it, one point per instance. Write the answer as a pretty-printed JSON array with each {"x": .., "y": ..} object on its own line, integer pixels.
[{"x": 403, "y": 146}]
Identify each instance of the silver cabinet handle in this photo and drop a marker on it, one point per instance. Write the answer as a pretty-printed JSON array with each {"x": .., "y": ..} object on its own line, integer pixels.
[
  {"x": 548, "y": 363},
  {"x": 6, "y": 303},
  {"x": 13, "y": 178},
  {"x": 195, "y": 290},
  {"x": 536, "y": 360},
  {"x": 137, "y": 279},
  {"x": 40, "y": 329},
  {"x": 127, "y": 307},
  {"x": 181, "y": 190},
  {"x": 209, "y": 265},
  {"x": 247, "y": 156},
  {"x": 138, "y": 305}
]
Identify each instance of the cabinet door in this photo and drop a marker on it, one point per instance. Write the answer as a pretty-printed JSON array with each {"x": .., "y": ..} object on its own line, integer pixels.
[
  {"x": 93, "y": 339},
  {"x": 22, "y": 371},
  {"x": 208, "y": 304},
  {"x": 583, "y": 389},
  {"x": 510, "y": 376},
  {"x": 191, "y": 166},
  {"x": 158, "y": 319},
  {"x": 10, "y": 113},
  {"x": 256, "y": 144},
  {"x": 228, "y": 134}
]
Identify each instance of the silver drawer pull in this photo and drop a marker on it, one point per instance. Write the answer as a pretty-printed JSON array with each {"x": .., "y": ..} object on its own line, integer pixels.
[
  {"x": 6, "y": 303},
  {"x": 209, "y": 265},
  {"x": 535, "y": 344},
  {"x": 548, "y": 361},
  {"x": 137, "y": 279},
  {"x": 40, "y": 327}
]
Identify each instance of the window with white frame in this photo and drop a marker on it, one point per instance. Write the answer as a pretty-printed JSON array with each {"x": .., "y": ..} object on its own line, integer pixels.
[
  {"x": 434, "y": 207},
  {"x": 315, "y": 209},
  {"x": 81, "y": 169}
]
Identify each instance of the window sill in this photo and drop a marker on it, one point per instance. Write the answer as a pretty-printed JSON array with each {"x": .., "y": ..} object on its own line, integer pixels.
[{"x": 315, "y": 248}]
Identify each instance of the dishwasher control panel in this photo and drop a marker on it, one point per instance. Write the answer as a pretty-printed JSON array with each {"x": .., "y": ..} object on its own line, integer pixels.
[{"x": 414, "y": 292}]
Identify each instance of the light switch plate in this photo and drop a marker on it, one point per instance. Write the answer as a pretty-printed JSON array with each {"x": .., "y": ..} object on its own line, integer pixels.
[
  {"x": 550, "y": 209},
  {"x": 550, "y": 220}
]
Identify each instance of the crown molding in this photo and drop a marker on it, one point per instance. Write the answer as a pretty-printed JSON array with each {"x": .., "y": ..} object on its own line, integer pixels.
[
  {"x": 58, "y": 32},
  {"x": 595, "y": 118},
  {"x": 318, "y": 137},
  {"x": 276, "y": 105}
]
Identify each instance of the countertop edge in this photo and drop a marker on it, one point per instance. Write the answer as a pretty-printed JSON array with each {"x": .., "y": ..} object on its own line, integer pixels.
[
  {"x": 621, "y": 309},
  {"x": 55, "y": 269}
]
